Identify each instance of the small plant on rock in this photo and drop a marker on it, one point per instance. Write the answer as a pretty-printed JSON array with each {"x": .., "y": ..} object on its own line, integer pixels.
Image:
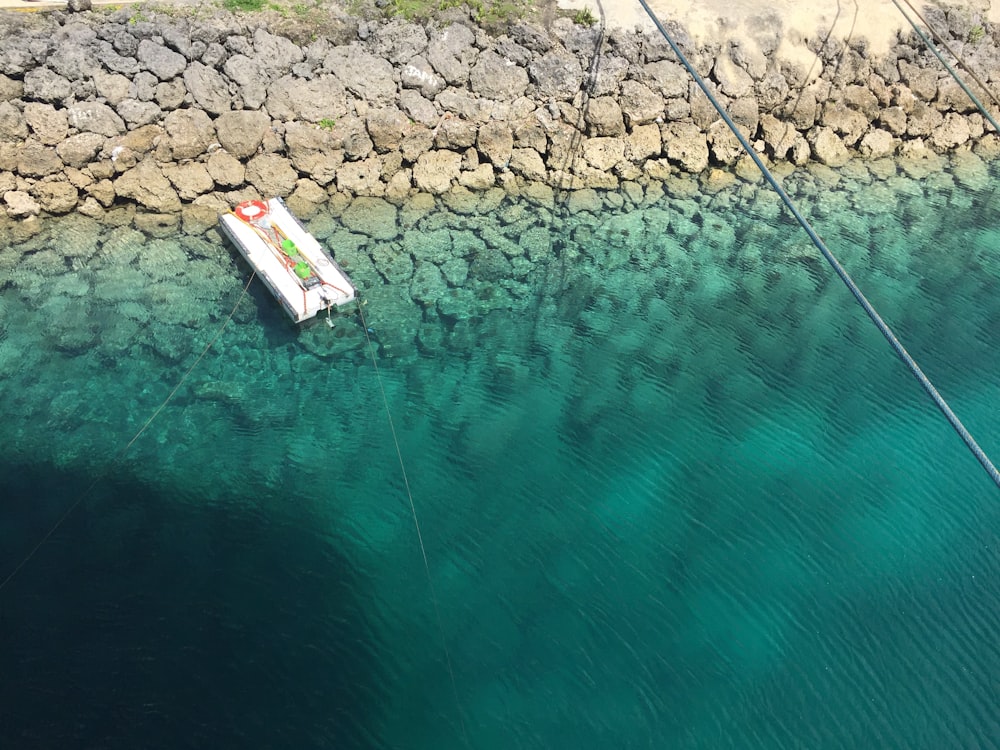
[
  {"x": 584, "y": 17},
  {"x": 976, "y": 33},
  {"x": 327, "y": 124}
]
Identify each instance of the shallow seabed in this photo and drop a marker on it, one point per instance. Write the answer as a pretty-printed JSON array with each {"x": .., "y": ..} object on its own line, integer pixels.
[{"x": 674, "y": 488}]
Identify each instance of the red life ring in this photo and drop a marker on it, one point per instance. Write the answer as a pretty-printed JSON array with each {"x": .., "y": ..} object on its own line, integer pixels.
[{"x": 251, "y": 211}]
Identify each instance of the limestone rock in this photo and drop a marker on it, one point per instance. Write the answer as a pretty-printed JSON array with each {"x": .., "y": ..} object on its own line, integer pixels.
[
  {"x": 639, "y": 104},
  {"x": 13, "y": 127},
  {"x": 954, "y": 131},
  {"x": 250, "y": 76},
  {"x": 361, "y": 178},
  {"x": 46, "y": 85},
  {"x": 312, "y": 152},
  {"x": 733, "y": 80},
  {"x": 241, "y": 132},
  {"x": 36, "y": 160},
  {"x": 189, "y": 133},
  {"x": 527, "y": 163},
  {"x": 161, "y": 61},
  {"x": 10, "y": 88},
  {"x": 278, "y": 52},
  {"x": 137, "y": 114},
  {"x": 57, "y": 197},
  {"x": 146, "y": 185},
  {"x": 556, "y": 74},
  {"x": 366, "y": 76},
  {"x": 643, "y": 142},
  {"x": 418, "y": 73},
  {"x": 94, "y": 117},
  {"x": 923, "y": 120},
  {"x": 685, "y": 144},
  {"x": 849, "y": 124},
  {"x": 828, "y": 148},
  {"x": 20, "y": 205},
  {"x": 923, "y": 82},
  {"x": 208, "y": 88},
  {"x": 112, "y": 86},
  {"x": 225, "y": 169},
  {"x": 399, "y": 41},
  {"x": 495, "y": 77},
  {"x": 877, "y": 143},
  {"x": 323, "y": 98},
  {"x": 611, "y": 71},
  {"x": 191, "y": 179},
  {"x": 435, "y": 171},
  {"x": 373, "y": 217},
  {"x": 271, "y": 174},
  {"x": 496, "y": 142},
  {"x": 481, "y": 178},
  {"x": 604, "y": 116},
  {"x": 386, "y": 126},
  {"x": 80, "y": 149},
  {"x": 451, "y": 52}
]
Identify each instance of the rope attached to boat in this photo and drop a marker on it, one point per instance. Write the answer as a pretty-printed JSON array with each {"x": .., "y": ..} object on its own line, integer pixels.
[
  {"x": 882, "y": 326},
  {"x": 121, "y": 454},
  {"x": 416, "y": 523}
]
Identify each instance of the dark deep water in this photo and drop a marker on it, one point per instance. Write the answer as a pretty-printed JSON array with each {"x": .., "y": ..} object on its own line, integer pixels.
[{"x": 675, "y": 490}]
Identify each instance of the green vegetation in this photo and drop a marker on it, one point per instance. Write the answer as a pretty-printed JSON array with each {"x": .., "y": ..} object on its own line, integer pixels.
[
  {"x": 976, "y": 33},
  {"x": 246, "y": 6},
  {"x": 327, "y": 124},
  {"x": 484, "y": 11},
  {"x": 584, "y": 17}
]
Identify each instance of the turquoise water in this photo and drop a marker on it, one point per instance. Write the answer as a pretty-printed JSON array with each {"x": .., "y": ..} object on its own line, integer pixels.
[{"x": 675, "y": 490}]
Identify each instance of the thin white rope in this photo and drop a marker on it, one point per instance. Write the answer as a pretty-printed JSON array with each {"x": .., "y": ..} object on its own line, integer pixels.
[{"x": 416, "y": 524}]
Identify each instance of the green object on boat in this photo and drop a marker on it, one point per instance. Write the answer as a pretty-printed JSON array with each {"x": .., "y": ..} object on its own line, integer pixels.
[
  {"x": 302, "y": 270},
  {"x": 288, "y": 246}
]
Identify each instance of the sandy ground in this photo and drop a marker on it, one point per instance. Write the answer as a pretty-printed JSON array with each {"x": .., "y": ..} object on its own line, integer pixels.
[
  {"x": 875, "y": 20},
  {"x": 720, "y": 20}
]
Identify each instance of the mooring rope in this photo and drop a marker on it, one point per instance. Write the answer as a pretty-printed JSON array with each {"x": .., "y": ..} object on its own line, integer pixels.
[
  {"x": 952, "y": 71},
  {"x": 121, "y": 453},
  {"x": 883, "y": 328},
  {"x": 416, "y": 524}
]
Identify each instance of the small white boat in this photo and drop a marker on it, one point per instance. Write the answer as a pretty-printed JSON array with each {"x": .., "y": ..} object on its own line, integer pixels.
[{"x": 297, "y": 270}]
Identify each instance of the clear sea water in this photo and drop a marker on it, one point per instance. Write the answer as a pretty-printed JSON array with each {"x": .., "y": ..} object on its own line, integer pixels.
[{"x": 674, "y": 488}]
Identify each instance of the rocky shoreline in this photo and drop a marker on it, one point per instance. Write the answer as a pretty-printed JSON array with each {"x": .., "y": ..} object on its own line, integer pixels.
[{"x": 157, "y": 119}]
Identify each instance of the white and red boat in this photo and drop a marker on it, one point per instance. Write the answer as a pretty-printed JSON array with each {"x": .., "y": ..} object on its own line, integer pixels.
[{"x": 290, "y": 261}]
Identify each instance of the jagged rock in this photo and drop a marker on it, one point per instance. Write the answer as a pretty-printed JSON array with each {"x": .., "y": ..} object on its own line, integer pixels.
[
  {"x": 386, "y": 127},
  {"x": 643, "y": 142},
  {"x": 802, "y": 110},
  {"x": 533, "y": 37},
  {"x": 952, "y": 132},
  {"x": 923, "y": 82},
  {"x": 639, "y": 104},
  {"x": 452, "y": 52},
  {"x": 419, "y": 74},
  {"x": 373, "y": 217},
  {"x": 112, "y": 86},
  {"x": 611, "y": 71},
  {"x": 48, "y": 124},
  {"x": 103, "y": 191},
  {"x": 162, "y": 62},
  {"x": 923, "y": 120},
  {"x": 465, "y": 105},
  {"x": 557, "y": 75},
  {"x": 366, "y": 76},
  {"x": 586, "y": 199},
  {"x": 435, "y": 171},
  {"x": 191, "y": 179},
  {"x": 686, "y": 144},
  {"x": 136, "y": 113},
  {"x": 951, "y": 96},
  {"x": 13, "y": 127},
  {"x": 455, "y": 133},
  {"x": 399, "y": 41},
  {"x": 510, "y": 50},
  {"x": 278, "y": 52},
  {"x": 361, "y": 178},
  {"x": 73, "y": 58},
  {"x": 36, "y": 160},
  {"x": 189, "y": 133},
  {"x": 80, "y": 149},
  {"x": 250, "y": 76},
  {"x": 78, "y": 6},
  {"x": 20, "y": 204},
  {"x": 170, "y": 94},
  {"x": 418, "y": 108},
  {"x": 723, "y": 145},
  {"x": 271, "y": 174},
  {"x": 242, "y": 132},
  {"x": 143, "y": 86},
  {"x": 225, "y": 169},
  {"x": 733, "y": 80},
  {"x": 57, "y": 197},
  {"x": 844, "y": 121},
  {"x": 779, "y": 136},
  {"x": 312, "y": 152},
  {"x": 481, "y": 178},
  {"x": 893, "y": 119},
  {"x": 94, "y": 117},
  {"x": 10, "y": 88},
  {"x": 321, "y": 98},
  {"x": 46, "y": 85},
  {"x": 877, "y": 143},
  {"x": 527, "y": 163},
  {"x": 146, "y": 185},
  {"x": 862, "y": 99},
  {"x": 495, "y": 77},
  {"x": 496, "y": 142},
  {"x": 604, "y": 116},
  {"x": 771, "y": 90},
  {"x": 116, "y": 63},
  {"x": 208, "y": 88},
  {"x": 828, "y": 148},
  {"x": 603, "y": 153}
]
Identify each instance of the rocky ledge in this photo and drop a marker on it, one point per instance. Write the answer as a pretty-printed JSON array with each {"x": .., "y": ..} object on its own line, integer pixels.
[{"x": 185, "y": 115}]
